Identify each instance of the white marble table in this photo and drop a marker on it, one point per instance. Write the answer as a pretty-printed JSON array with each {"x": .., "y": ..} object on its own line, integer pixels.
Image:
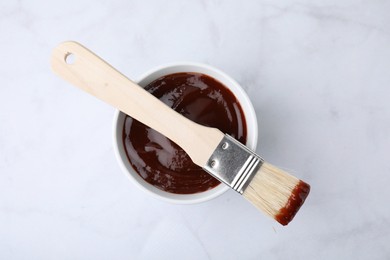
[{"x": 318, "y": 74}]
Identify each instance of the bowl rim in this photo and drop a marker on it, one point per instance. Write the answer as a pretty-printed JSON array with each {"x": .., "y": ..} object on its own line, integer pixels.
[{"x": 185, "y": 198}]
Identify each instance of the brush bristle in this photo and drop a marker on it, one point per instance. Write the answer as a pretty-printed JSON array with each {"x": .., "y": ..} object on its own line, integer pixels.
[{"x": 276, "y": 193}]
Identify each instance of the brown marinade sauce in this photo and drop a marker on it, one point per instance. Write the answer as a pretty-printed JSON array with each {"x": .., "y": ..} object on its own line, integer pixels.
[
  {"x": 297, "y": 198},
  {"x": 161, "y": 162}
]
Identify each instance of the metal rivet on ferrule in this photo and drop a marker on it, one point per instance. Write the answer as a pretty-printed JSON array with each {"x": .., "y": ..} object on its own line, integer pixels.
[
  {"x": 213, "y": 163},
  {"x": 225, "y": 146}
]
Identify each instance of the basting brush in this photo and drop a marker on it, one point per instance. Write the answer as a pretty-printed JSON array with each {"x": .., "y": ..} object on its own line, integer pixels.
[{"x": 272, "y": 190}]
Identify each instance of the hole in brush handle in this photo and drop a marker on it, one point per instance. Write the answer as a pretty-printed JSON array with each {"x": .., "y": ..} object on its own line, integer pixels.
[{"x": 69, "y": 58}]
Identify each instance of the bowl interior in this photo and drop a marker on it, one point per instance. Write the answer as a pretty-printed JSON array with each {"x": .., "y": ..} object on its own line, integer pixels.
[{"x": 152, "y": 75}]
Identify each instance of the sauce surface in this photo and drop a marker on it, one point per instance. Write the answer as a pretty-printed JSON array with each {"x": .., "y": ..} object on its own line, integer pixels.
[{"x": 160, "y": 161}]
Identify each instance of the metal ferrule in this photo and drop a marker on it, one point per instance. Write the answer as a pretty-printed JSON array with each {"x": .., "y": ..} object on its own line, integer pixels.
[{"x": 233, "y": 163}]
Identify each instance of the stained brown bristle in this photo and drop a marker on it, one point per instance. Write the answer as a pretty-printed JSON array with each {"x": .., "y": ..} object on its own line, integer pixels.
[
  {"x": 294, "y": 203},
  {"x": 277, "y": 193}
]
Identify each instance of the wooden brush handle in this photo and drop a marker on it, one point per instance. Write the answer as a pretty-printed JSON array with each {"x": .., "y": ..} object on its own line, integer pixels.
[{"x": 92, "y": 74}]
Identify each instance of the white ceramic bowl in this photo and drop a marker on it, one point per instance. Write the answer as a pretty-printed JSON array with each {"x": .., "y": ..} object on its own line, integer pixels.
[{"x": 251, "y": 124}]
